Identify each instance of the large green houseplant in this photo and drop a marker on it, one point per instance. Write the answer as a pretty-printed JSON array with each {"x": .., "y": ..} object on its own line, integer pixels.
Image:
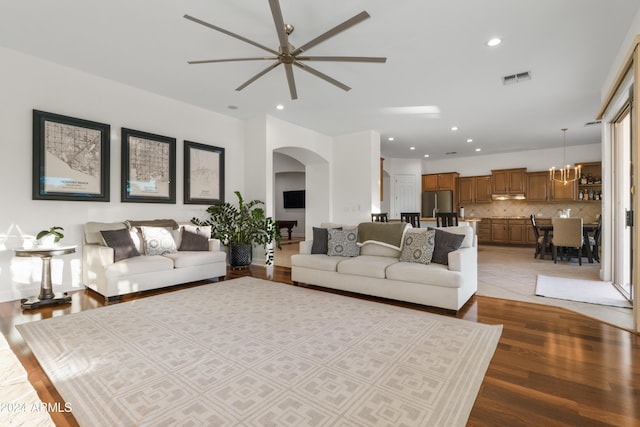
[{"x": 240, "y": 227}]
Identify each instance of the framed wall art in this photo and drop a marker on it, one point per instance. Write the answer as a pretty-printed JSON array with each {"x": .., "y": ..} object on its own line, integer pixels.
[
  {"x": 148, "y": 167},
  {"x": 203, "y": 174},
  {"x": 70, "y": 158}
]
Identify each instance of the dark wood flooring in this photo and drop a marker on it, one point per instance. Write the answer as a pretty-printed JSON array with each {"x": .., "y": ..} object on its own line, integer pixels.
[{"x": 552, "y": 367}]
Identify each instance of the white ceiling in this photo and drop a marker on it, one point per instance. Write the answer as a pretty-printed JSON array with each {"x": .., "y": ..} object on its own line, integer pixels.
[{"x": 435, "y": 49}]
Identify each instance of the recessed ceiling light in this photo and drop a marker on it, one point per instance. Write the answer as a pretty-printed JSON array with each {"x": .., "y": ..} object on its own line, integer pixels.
[
  {"x": 494, "y": 42},
  {"x": 280, "y": 107},
  {"x": 412, "y": 148},
  {"x": 391, "y": 138},
  {"x": 454, "y": 128},
  {"x": 426, "y": 155},
  {"x": 232, "y": 107},
  {"x": 478, "y": 149},
  {"x": 469, "y": 140}
]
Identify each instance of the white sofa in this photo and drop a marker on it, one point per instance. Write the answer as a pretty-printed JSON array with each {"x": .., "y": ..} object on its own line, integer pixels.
[
  {"x": 378, "y": 271},
  {"x": 145, "y": 272}
]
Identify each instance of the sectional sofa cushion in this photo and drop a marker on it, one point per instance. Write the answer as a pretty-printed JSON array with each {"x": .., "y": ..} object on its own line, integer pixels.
[
  {"x": 366, "y": 266},
  {"x": 182, "y": 259},
  {"x": 139, "y": 265}
]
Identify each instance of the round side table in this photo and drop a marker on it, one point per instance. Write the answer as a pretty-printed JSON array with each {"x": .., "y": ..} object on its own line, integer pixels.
[{"x": 47, "y": 296}]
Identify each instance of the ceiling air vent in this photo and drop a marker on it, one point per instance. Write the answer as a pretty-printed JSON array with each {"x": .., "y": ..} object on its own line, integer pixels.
[
  {"x": 597, "y": 122},
  {"x": 516, "y": 78},
  {"x": 451, "y": 153}
]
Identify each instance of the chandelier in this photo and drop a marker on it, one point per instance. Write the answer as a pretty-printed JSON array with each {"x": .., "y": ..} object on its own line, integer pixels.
[{"x": 566, "y": 174}]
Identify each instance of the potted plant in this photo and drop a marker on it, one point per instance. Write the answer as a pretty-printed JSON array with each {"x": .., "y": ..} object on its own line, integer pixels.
[
  {"x": 50, "y": 237},
  {"x": 240, "y": 227}
]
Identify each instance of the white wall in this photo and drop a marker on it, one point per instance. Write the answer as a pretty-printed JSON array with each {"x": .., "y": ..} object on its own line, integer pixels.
[
  {"x": 356, "y": 173},
  {"x": 27, "y": 83},
  {"x": 533, "y": 160}
]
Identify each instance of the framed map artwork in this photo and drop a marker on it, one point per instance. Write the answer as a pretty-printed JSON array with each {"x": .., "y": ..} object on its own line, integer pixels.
[
  {"x": 70, "y": 158},
  {"x": 203, "y": 174},
  {"x": 148, "y": 167}
]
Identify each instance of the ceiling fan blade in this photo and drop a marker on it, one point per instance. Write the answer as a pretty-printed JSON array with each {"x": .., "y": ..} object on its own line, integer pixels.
[
  {"x": 332, "y": 32},
  {"x": 343, "y": 58},
  {"x": 323, "y": 76},
  {"x": 257, "y": 58},
  {"x": 229, "y": 33},
  {"x": 257, "y": 76},
  {"x": 279, "y": 21},
  {"x": 291, "y": 81}
]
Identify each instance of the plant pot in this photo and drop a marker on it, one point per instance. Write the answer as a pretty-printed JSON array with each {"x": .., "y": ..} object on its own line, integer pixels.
[
  {"x": 240, "y": 255},
  {"x": 48, "y": 241}
]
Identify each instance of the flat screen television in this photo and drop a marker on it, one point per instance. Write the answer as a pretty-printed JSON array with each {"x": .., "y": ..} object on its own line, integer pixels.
[{"x": 293, "y": 199}]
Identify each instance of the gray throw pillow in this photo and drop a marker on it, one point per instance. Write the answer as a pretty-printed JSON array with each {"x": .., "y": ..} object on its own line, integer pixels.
[
  {"x": 445, "y": 242},
  {"x": 418, "y": 246},
  {"x": 195, "y": 238},
  {"x": 321, "y": 240},
  {"x": 343, "y": 243},
  {"x": 121, "y": 242}
]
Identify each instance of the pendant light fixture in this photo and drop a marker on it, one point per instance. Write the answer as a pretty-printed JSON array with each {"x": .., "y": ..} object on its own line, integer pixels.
[{"x": 566, "y": 174}]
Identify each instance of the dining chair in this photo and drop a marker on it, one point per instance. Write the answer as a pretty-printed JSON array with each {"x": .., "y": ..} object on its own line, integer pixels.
[
  {"x": 594, "y": 241},
  {"x": 379, "y": 217},
  {"x": 567, "y": 234},
  {"x": 541, "y": 246},
  {"x": 412, "y": 218},
  {"x": 446, "y": 219}
]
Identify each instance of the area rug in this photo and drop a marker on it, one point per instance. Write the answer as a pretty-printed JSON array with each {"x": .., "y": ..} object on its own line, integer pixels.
[
  {"x": 589, "y": 291},
  {"x": 253, "y": 352}
]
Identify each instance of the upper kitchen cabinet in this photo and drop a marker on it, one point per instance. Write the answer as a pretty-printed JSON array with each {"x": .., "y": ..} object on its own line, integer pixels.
[
  {"x": 563, "y": 192},
  {"x": 439, "y": 181},
  {"x": 538, "y": 187},
  {"x": 508, "y": 181},
  {"x": 474, "y": 189}
]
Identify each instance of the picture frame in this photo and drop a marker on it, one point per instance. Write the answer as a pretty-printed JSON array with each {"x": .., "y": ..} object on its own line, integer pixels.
[
  {"x": 70, "y": 158},
  {"x": 203, "y": 174},
  {"x": 148, "y": 167}
]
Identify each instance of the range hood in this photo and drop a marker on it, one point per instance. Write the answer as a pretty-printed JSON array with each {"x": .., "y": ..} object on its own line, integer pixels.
[{"x": 514, "y": 196}]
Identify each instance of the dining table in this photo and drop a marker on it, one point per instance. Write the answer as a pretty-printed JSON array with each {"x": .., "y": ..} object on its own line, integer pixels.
[{"x": 586, "y": 229}]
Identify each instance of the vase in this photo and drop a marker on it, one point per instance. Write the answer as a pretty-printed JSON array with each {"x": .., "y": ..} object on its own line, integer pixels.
[
  {"x": 48, "y": 241},
  {"x": 240, "y": 255}
]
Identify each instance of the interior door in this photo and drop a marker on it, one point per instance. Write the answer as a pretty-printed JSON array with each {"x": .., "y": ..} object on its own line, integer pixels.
[
  {"x": 623, "y": 221},
  {"x": 406, "y": 193}
]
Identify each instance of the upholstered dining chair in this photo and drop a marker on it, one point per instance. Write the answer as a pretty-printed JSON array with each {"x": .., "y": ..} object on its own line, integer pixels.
[
  {"x": 594, "y": 241},
  {"x": 567, "y": 234},
  {"x": 541, "y": 246},
  {"x": 379, "y": 217},
  {"x": 412, "y": 218},
  {"x": 446, "y": 219}
]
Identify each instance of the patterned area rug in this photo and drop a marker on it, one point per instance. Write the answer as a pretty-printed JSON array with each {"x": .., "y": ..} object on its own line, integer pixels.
[
  {"x": 590, "y": 291},
  {"x": 253, "y": 352}
]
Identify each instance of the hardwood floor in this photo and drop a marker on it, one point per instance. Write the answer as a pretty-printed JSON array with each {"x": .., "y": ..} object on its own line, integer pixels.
[{"x": 552, "y": 367}]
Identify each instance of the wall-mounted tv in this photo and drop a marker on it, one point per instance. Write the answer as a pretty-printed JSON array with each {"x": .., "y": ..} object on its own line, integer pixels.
[{"x": 293, "y": 199}]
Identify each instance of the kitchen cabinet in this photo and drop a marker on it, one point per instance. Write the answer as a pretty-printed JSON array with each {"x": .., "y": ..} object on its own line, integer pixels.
[
  {"x": 508, "y": 181},
  {"x": 538, "y": 187},
  {"x": 561, "y": 192},
  {"x": 474, "y": 189},
  {"x": 483, "y": 231},
  {"x": 590, "y": 184},
  {"x": 531, "y": 238},
  {"x": 508, "y": 231},
  {"x": 439, "y": 181}
]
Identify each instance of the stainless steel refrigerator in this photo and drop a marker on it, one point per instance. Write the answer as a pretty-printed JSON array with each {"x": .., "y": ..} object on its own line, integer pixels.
[{"x": 436, "y": 201}]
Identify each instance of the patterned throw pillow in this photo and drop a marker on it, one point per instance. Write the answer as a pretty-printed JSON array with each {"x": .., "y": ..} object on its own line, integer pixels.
[
  {"x": 158, "y": 241},
  {"x": 121, "y": 242},
  {"x": 321, "y": 240},
  {"x": 418, "y": 246},
  {"x": 195, "y": 238},
  {"x": 343, "y": 242}
]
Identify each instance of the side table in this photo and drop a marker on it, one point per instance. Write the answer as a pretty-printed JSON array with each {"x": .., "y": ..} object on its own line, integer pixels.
[{"x": 47, "y": 296}]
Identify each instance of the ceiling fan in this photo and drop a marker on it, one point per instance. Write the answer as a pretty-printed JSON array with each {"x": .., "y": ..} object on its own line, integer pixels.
[{"x": 289, "y": 55}]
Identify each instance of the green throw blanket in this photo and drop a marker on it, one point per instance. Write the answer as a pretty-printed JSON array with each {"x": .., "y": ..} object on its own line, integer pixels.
[{"x": 387, "y": 233}]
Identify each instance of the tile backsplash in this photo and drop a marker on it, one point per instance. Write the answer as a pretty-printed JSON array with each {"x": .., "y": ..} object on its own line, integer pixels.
[{"x": 587, "y": 210}]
